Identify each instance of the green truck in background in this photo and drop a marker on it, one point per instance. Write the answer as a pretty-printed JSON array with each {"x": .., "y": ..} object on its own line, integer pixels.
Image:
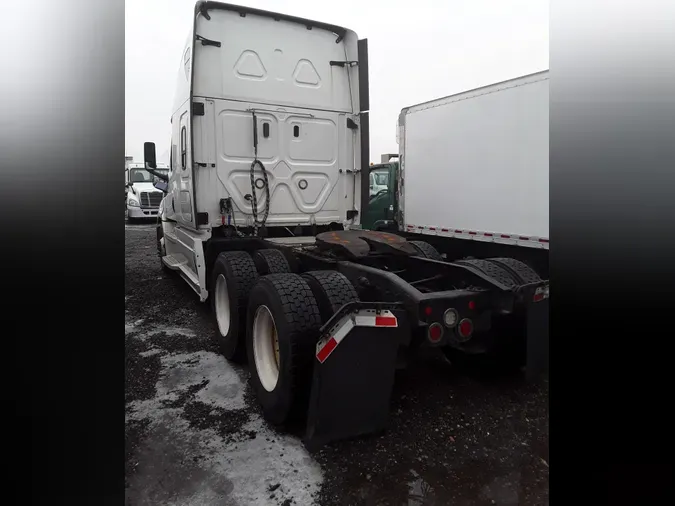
[{"x": 381, "y": 209}]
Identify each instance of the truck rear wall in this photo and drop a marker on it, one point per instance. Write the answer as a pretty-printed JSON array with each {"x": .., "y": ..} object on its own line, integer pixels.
[
  {"x": 280, "y": 70},
  {"x": 475, "y": 165}
]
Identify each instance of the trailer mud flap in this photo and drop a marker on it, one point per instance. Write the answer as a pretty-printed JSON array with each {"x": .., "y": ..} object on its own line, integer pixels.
[
  {"x": 537, "y": 339},
  {"x": 354, "y": 368}
]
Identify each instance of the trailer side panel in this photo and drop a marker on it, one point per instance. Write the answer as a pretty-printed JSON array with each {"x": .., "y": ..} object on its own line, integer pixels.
[{"x": 475, "y": 165}]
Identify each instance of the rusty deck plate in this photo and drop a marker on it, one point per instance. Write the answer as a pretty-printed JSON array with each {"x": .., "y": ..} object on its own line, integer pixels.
[{"x": 360, "y": 243}]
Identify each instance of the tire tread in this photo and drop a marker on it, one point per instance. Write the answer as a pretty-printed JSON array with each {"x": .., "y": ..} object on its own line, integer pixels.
[
  {"x": 240, "y": 273},
  {"x": 303, "y": 321},
  {"x": 332, "y": 290},
  {"x": 271, "y": 261},
  {"x": 426, "y": 250}
]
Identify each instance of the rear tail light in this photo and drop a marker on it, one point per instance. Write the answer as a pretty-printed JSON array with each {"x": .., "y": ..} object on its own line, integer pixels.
[
  {"x": 450, "y": 318},
  {"x": 465, "y": 328},
  {"x": 435, "y": 332}
]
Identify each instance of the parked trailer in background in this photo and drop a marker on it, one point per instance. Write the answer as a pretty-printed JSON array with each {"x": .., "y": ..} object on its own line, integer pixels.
[
  {"x": 481, "y": 159},
  {"x": 473, "y": 173},
  {"x": 261, "y": 217}
]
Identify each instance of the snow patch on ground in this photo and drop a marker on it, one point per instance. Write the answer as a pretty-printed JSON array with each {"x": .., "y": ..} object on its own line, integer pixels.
[
  {"x": 223, "y": 390},
  {"x": 180, "y": 463},
  {"x": 278, "y": 459},
  {"x": 151, "y": 352},
  {"x": 134, "y": 328},
  {"x": 131, "y": 327},
  {"x": 168, "y": 331}
]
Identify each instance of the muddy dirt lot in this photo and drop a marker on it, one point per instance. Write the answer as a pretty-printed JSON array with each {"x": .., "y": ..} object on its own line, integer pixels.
[{"x": 195, "y": 436}]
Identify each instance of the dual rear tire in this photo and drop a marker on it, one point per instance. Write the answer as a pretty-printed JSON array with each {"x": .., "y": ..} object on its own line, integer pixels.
[
  {"x": 283, "y": 323},
  {"x": 233, "y": 277},
  {"x": 272, "y": 317}
]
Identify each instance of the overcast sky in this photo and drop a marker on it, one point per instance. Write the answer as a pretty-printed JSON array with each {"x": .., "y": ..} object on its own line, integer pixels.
[{"x": 418, "y": 50}]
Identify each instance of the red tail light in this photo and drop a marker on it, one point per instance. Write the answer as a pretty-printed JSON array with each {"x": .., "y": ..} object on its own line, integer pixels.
[
  {"x": 465, "y": 328},
  {"x": 435, "y": 332}
]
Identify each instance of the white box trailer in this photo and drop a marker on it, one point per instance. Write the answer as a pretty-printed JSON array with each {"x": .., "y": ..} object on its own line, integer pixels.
[{"x": 474, "y": 165}]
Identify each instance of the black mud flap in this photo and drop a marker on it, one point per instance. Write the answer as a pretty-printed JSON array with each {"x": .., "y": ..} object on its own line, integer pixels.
[
  {"x": 537, "y": 333},
  {"x": 354, "y": 368}
]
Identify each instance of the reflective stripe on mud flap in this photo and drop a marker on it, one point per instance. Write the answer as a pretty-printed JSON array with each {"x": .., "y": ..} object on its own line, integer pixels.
[
  {"x": 351, "y": 390},
  {"x": 541, "y": 293},
  {"x": 364, "y": 318}
]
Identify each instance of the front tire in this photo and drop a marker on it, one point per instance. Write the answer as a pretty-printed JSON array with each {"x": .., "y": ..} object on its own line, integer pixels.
[
  {"x": 233, "y": 276},
  {"x": 283, "y": 326}
]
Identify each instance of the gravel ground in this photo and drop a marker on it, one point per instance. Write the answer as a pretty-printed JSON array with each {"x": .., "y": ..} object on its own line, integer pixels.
[{"x": 195, "y": 436}]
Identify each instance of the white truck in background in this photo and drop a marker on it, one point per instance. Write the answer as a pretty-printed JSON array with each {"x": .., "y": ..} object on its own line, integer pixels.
[
  {"x": 142, "y": 198},
  {"x": 261, "y": 217}
]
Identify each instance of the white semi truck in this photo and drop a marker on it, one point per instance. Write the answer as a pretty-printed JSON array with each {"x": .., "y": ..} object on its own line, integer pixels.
[
  {"x": 262, "y": 218},
  {"x": 142, "y": 198}
]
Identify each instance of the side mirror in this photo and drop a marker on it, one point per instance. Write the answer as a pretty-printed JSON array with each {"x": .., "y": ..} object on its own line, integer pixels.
[{"x": 149, "y": 155}]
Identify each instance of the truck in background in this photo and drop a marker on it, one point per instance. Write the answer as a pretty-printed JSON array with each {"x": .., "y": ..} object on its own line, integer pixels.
[
  {"x": 127, "y": 161},
  {"x": 379, "y": 180},
  {"x": 379, "y": 212},
  {"x": 142, "y": 198},
  {"x": 262, "y": 218},
  {"x": 473, "y": 173}
]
